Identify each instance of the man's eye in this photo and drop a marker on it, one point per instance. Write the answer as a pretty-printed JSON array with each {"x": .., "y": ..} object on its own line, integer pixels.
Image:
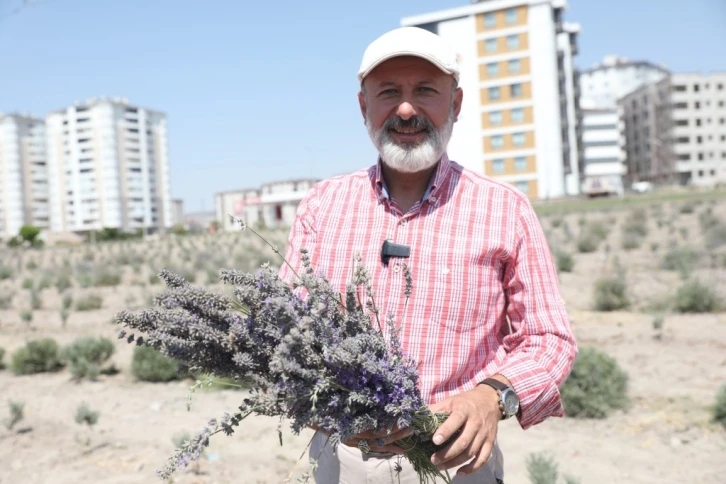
[{"x": 427, "y": 89}]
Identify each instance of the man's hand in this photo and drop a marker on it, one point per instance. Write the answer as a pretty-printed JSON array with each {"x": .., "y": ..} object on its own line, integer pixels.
[
  {"x": 476, "y": 415},
  {"x": 389, "y": 438}
]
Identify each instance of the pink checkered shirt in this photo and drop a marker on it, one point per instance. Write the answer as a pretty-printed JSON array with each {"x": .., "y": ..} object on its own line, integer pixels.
[{"x": 478, "y": 256}]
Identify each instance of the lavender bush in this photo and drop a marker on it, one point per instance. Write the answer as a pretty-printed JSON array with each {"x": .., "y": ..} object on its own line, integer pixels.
[{"x": 311, "y": 355}]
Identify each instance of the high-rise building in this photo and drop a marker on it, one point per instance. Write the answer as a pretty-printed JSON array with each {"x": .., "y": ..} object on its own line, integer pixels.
[
  {"x": 648, "y": 126},
  {"x": 23, "y": 174},
  {"x": 519, "y": 117},
  {"x": 108, "y": 166},
  {"x": 699, "y": 113},
  {"x": 603, "y": 151},
  {"x": 604, "y": 139}
]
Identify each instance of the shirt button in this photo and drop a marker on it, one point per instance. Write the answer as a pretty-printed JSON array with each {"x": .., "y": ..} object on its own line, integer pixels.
[
  {"x": 396, "y": 267},
  {"x": 433, "y": 199},
  {"x": 404, "y": 222}
]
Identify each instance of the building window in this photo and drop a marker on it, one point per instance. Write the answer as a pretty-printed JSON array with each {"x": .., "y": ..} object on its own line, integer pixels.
[
  {"x": 719, "y": 87},
  {"x": 518, "y": 115},
  {"x": 498, "y": 166},
  {"x": 684, "y": 157},
  {"x": 495, "y": 117},
  {"x": 700, "y": 172},
  {"x": 493, "y": 69},
  {"x": 679, "y": 88},
  {"x": 497, "y": 142},
  {"x": 522, "y": 186},
  {"x": 518, "y": 139},
  {"x": 491, "y": 45},
  {"x": 699, "y": 140},
  {"x": 695, "y": 88},
  {"x": 278, "y": 212},
  {"x": 683, "y": 140},
  {"x": 512, "y": 42},
  {"x": 698, "y": 122},
  {"x": 700, "y": 157},
  {"x": 681, "y": 122},
  {"x": 490, "y": 20},
  {"x": 681, "y": 105},
  {"x": 511, "y": 16},
  {"x": 514, "y": 66},
  {"x": 722, "y": 121},
  {"x": 494, "y": 94},
  {"x": 515, "y": 90},
  {"x": 520, "y": 163},
  {"x": 697, "y": 105}
]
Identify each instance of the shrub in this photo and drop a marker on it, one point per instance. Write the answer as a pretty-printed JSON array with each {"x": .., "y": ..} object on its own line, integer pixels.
[
  {"x": 5, "y": 273},
  {"x": 716, "y": 236},
  {"x": 596, "y": 386},
  {"x": 611, "y": 294},
  {"x": 27, "y": 283},
  {"x": 84, "y": 415},
  {"x": 2, "y": 356},
  {"x": 565, "y": 262},
  {"x": 687, "y": 207},
  {"x": 89, "y": 302},
  {"x": 587, "y": 243},
  {"x": 105, "y": 278},
  {"x": 694, "y": 297},
  {"x": 16, "y": 414},
  {"x": 631, "y": 240},
  {"x": 37, "y": 356},
  {"x": 63, "y": 282},
  {"x": 719, "y": 408},
  {"x": 87, "y": 355},
  {"x": 541, "y": 469},
  {"x": 680, "y": 259},
  {"x": 6, "y": 299},
  {"x": 150, "y": 365}
]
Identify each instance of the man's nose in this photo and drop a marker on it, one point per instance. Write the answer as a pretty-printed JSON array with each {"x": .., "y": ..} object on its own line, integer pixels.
[{"x": 406, "y": 111}]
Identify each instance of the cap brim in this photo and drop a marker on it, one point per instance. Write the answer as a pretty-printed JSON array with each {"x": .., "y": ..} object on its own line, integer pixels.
[{"x": 362, "y": 75}]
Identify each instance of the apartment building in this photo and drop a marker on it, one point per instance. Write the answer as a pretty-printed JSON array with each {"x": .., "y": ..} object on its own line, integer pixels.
[
  {"x": 648, "y": 127},
  {"x": 699, "y": 114},
  {"x": 272, "y": 205},
  {"x": 519, "y": 118},
  {"x": 23, "y": 174},
  {"x": 601, "y": 87},
  {"x": 108, "y": 166}
]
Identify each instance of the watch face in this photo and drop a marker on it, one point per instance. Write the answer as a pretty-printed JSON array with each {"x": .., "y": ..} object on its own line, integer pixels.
[{"x": 511, "y": 402}]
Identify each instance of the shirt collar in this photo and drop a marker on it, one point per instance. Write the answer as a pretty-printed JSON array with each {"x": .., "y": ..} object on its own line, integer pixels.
[{"x": 442, "y": 173}]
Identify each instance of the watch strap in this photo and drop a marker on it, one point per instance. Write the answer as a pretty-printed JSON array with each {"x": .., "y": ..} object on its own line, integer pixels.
[{"x": 500, "y": 388}]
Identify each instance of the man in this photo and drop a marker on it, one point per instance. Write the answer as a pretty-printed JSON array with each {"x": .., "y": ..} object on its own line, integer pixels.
[{"x": 485, "y": 320}]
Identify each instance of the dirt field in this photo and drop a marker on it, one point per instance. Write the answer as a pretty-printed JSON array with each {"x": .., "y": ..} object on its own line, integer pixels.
[{"x": 666, "y": 436}]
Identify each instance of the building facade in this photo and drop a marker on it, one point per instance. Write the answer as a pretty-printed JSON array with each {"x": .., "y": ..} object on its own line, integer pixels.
[
  {"x": 601, "y": 86},
  {"x": 272, "y": 205},
  {"x": 699, "y": 114},
  {"x": 603, "y": 151},
  {"x": 24, "y": 194},
  {"x": 647, "y": 122},
  {"x": 519, "y": 119},
  {"x": 108, "y": 166}
]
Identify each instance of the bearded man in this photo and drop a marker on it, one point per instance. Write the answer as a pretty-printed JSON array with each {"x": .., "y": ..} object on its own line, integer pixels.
[{"x": 485, "y": 320}]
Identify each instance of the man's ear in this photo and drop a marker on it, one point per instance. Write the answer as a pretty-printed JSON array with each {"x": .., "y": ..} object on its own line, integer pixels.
[
  {"x": 458, "y": 98},
  {"x": 362, "y": 103}
]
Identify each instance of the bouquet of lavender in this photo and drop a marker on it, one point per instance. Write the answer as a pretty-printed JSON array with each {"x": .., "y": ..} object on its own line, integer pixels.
[{"x": 322, "y": 359}]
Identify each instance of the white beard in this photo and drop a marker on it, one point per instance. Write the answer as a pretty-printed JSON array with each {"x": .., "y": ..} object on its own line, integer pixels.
[{"x": 410, "y": 158}]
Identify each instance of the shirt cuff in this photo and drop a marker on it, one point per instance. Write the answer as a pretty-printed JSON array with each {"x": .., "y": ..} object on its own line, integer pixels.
[{"x": 539, "y": 396}]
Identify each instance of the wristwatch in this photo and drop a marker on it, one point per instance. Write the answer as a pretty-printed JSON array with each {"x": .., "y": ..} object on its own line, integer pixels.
[{"x": 508, "y": 400}]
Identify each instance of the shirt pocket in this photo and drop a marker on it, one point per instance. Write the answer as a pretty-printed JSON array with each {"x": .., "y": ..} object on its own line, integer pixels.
[{"x": 474, "y": 293}]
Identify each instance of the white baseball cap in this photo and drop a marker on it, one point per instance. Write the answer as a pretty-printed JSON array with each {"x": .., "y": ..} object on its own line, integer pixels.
[{"x": 413, "y": 41}]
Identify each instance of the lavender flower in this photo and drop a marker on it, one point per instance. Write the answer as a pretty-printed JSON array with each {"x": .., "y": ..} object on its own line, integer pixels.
[{"x": 316, "y": 360}]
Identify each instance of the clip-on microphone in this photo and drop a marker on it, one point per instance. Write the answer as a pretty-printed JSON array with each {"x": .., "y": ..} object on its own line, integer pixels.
[{"x": 390, "y": 249}]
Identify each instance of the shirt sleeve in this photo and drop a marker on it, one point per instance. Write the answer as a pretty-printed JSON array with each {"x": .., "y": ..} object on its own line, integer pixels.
[
  {"x": 302, "y": 236},
  {"x": 541, "y": 348}
]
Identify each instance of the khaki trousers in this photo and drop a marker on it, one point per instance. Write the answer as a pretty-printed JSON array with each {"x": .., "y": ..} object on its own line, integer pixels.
[{"x": 347, "y": 465}]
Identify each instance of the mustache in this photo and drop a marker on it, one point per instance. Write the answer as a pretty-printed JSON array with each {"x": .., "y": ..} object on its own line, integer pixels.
[{"x": 415, "y": 122}]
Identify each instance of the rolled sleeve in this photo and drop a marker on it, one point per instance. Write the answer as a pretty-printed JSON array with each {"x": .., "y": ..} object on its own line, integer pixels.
[{"x": 541, "y": 349}]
